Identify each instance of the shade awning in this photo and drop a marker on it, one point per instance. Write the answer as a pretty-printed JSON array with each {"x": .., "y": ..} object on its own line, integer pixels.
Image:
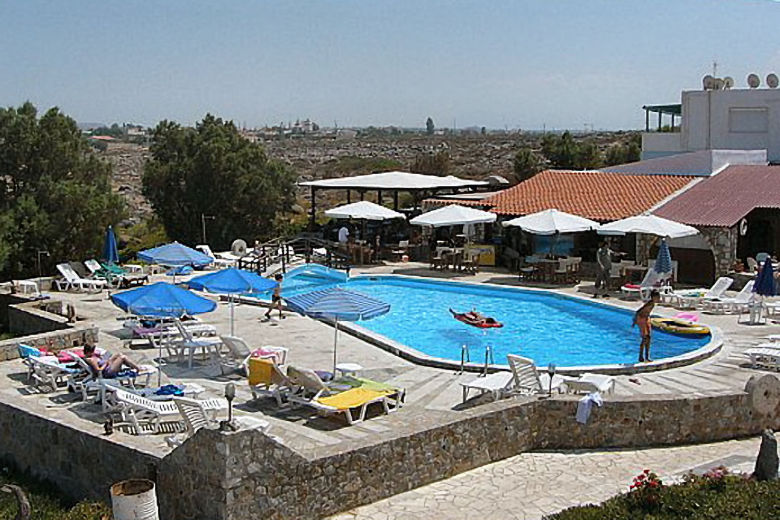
[
  {"x": 453, "y": 215},
  {"x": 403, "y": 181},
  {"x": 650, "y": 225},
  {"x": 552, "y": 221},
  {"x": 364, "y": 210}
]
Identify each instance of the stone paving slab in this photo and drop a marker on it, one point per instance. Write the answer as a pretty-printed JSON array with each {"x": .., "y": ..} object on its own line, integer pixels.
[{"x": 531, "y": 485}]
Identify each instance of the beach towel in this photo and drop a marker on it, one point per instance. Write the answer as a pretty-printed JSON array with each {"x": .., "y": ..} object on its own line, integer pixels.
[{"x": 585, "y": 405}]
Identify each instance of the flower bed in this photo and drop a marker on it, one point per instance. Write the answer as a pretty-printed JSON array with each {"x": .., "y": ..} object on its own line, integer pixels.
[{"x": 714, "y": 495}]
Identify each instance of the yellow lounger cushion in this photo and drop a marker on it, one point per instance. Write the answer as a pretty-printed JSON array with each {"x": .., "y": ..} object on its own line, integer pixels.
[
  {"x": 352, "y": 398},
  {"x": 260, "y": 371}
]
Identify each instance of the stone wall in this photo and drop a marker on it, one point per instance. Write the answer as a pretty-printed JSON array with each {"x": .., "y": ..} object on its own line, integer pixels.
[
  {"x": 36, "y": 317},
  {"x": 56, "y": 340},
  {"x": 249, "y": 475},
  {"x": 80, "y": 464},
  {"x": 723, "y": 242}
]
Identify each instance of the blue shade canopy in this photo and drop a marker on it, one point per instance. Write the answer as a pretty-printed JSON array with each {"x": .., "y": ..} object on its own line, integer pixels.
[
  {"x": 337, "y": 303},
  {"x": 110, "y": 253},
  {"x": 663, "y": 264},
  {"x": 231, "y": 281},
  {"x": 765, "y": 283},
  {"x": 162, "y": 299},
  {"x": 174, "y": 254}
]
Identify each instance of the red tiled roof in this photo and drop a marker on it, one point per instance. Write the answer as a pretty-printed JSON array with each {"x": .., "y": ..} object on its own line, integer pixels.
[
  {"x": 591, "y": 194},
  {"x": 724, "y": 199}
]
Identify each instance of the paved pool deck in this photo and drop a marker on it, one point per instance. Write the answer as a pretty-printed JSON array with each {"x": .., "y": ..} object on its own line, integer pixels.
[{"x": 433, "y": 395}]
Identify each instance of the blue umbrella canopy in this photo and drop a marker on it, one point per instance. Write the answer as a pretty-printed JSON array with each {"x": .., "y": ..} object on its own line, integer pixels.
[
  {"x": 231, "y": 281},
  {"x": 663, "y": 264},
  {"x": 337, "y": 303},
  {"x": 174, "y": 254},
  {"x": 765, "y": 282},
  {"x": 110, "y": 252},
  {"x": 162, "y": 299}
]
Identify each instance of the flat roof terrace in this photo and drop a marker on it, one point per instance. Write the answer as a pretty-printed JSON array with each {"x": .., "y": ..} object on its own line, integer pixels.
[{"x": 432, "y": 394}]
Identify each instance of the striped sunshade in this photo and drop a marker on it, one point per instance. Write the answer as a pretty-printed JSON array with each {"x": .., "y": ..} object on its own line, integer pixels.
[
  {"x": 663, "y": 264},
  {"x": 338, "y": 304}
]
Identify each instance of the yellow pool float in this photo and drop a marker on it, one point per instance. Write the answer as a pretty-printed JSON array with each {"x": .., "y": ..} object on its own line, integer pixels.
[{"x": 678, "y": 326}]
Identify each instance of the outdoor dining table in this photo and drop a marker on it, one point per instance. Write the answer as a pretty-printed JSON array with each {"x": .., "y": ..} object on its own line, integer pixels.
[{"x": 450, "y": 254}]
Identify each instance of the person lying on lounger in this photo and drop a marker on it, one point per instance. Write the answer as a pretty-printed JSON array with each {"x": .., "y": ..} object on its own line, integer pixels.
[{"x": 107, "y": 367}]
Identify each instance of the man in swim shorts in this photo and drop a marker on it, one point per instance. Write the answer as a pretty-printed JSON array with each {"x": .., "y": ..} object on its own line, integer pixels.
[
  {"x": 642, "y": 318},
  {"x": 276, "y": 297}
]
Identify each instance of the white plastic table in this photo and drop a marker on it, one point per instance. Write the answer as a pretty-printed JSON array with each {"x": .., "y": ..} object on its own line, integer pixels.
[{"x": 349, "y": 369}]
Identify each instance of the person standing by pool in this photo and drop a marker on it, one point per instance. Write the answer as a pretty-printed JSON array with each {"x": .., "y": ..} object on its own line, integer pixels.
[
  {"x": 604, "y": 259},
  {"x": 276, "y": 298},
  {"x": 642, "y": 318}
]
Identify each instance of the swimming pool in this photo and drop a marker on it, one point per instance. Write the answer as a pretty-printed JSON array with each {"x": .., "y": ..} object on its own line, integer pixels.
[{"x": 545, "y": 326}]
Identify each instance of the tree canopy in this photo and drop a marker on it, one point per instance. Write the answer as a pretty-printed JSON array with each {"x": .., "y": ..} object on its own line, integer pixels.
[
  {"x": 430, "y": 163},
  {"x": 55, "y": 194},
  {"x": 429, "y": 126},
  {"x": 565, "y": 153},
  {"x": 212, "y": 170},
  {"x": 526, "y": 164}
]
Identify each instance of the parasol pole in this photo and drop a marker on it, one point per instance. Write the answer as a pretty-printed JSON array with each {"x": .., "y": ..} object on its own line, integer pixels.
[
  {"x": 232, "y": 316},
  {"x": 335, "y": 344}
]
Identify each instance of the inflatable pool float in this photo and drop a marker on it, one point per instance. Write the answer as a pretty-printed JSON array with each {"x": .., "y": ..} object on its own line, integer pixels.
[
  {"x": 476, "y": 320},
  {"x": 678, "y": 326}
]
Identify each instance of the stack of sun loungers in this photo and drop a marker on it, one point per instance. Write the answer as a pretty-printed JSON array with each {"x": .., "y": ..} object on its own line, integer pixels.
[
  {"x": 692, "y": 298},
  {"x": 766, "y": 355}
]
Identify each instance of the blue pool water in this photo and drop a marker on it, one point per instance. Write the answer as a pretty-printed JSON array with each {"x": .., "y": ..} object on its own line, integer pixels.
[{"x": 544, "y": 326}]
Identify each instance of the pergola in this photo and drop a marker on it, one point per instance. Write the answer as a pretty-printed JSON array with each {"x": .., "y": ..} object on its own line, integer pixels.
[
  {"x": 419, "y": 185},
  {"x": 661, "y": 110}
]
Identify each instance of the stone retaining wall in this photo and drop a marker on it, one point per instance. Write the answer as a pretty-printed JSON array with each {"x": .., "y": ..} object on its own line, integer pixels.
[
  {"x": 79, "y": 463},
  {"x": 55, "y": 341},
  {"x": 36, "y": 317},
  {"x": 257, "y": 477}
]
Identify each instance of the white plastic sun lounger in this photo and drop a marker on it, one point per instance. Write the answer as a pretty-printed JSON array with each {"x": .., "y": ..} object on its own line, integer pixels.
[
  {"x": 148, "y": 416},
  {"x": 73, "y": 281},
  {"x": 589, "y": 382},
  {"x": 219, "y": 263},
  {"x": 766, "y": 355},
  {"x": 48, "y": 372},
  {"x": 688, "y": 299},
  {"x": 188, "y": 344},
  {"x": 725, "y": 305},
  {"x": 523, "y": 378}
]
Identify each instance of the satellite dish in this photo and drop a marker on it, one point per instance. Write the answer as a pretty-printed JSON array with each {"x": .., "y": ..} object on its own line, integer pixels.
[
  {"x": 771, "y": 80},
  {"x": 718, "y": 84},
  {"x": 238, "y": 247},
  {"x": 707, "y": 82},
  {"x": 753, "y": 80},
  {"x": 728, "y": 82}
]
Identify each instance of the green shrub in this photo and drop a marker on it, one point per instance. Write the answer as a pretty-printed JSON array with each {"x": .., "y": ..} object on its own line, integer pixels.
[
  {"x": 46, "y": 502},
  {"x": 715, "y": 495}
]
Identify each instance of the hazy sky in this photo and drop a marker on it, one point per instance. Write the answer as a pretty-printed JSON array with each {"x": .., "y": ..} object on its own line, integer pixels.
[{"x": 559, "y": 63}]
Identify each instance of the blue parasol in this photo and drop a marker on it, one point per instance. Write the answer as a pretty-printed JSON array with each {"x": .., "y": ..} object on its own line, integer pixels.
[
  {"x": 110, "y": 253},
  {"x": 231, "y": 281},
  {"x": 174, "y": 254},
  {"x": 337, "y": 304},
  {"x": 162, "y": 299}
]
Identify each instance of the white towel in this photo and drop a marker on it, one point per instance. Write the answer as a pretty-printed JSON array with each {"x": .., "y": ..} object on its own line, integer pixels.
[{"x": 585, "y": 405}]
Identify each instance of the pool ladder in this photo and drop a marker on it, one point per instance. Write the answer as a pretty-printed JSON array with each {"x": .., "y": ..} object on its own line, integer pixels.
[{"x": 465, "y": 357}]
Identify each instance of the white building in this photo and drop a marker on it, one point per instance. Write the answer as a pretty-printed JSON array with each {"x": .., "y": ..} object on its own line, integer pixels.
[{"x": 735, "y": 119}]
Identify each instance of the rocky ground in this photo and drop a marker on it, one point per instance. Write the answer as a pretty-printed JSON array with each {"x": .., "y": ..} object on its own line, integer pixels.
[{"x": 475, "y": 156}]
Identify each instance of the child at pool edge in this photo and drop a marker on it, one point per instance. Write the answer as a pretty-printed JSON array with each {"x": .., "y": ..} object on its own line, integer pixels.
[
  {"x": 642, "y": 318},
  {"x": 276, "y": 298}
]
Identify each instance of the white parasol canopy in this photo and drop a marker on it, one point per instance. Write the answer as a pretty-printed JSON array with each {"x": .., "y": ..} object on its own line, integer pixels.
[
  {"x": 649, "y": 225},
  {"x": 552, "y": 221},
  {"x": 364, "y": 210},
  {"x": 453, "y": 215},
  {"x": 394, "y": 181}
]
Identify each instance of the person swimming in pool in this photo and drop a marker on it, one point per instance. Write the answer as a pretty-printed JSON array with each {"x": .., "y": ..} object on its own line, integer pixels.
[{"x": 642, "y": 318}]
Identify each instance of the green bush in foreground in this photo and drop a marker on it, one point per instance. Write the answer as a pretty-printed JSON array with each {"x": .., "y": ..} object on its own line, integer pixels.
[
  {"x": 715, "y": 495},
  {"x": 46, "y": 503}
]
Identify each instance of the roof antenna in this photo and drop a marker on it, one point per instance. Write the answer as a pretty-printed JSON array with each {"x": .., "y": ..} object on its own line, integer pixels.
[{"x": 715, "y": 68}]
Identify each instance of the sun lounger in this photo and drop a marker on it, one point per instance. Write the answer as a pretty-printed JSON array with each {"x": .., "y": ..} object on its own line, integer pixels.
[
  {"x": 188, "y": 344},
  {"x": 725, "y": 305},
  {"x": 766, "y": 355},
  {"x": 689, "y": 299},
  {"x": 195, "y": 416},
  {"x": 96, "y": 383},
  {"x": 148, "y": 416},
  {"x": 218, "y": 262},
  {"x": 239, "y": 353},
  {"x": 71, "y": 280},
  {"x": 46, "y": 372},
  {"x": 342, "y": 396},
  {"x": 267, "y": 379},
  {"x": 772, "y": 309},
  {"x": 589, "y": 383},
  {"x": 523, "y": 378}
]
